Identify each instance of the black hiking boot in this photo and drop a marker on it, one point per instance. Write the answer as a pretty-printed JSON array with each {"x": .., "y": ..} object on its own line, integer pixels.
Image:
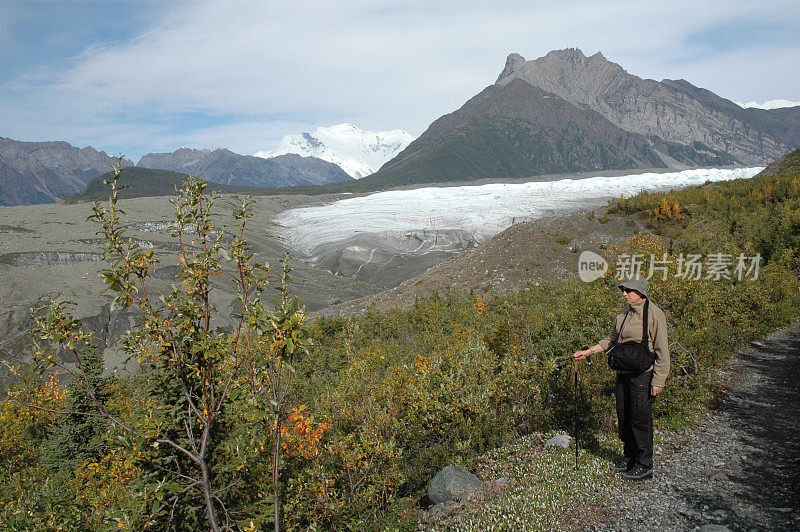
[
  {"x": 624, "y": 464},
  {"x": 638, "y": 472}
]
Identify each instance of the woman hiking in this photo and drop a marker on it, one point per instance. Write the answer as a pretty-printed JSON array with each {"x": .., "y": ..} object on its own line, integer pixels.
[{"x": 639, "y": 353}]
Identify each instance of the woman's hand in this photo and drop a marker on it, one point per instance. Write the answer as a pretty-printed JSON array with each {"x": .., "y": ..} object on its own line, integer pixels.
[
  {"x": 655, "y": 390},
  {"x": 581, "y": 355}
]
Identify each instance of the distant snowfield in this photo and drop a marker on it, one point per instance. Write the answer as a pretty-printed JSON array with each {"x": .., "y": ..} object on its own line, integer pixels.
[
  {"x": 772, "y": 104},
  {"x": 358, "y": 152},
  {"x": 483, "y": 210}
]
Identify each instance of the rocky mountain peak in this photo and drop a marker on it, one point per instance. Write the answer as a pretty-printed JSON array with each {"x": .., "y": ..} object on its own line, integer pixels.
[
  {"x": 567, "y": 53},
  {"x": 513, "y": 61},
  {"x": 570, "y": 58},
  {"x": 675, "y": 111},
  {"x": 568, "y": 73},
  {"x": 568, "y": 112}
]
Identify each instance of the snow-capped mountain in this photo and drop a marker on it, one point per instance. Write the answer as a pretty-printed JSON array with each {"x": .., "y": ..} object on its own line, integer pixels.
[
  {"x": 772, "y": 104},
  {"x": 358, "y": 152}
]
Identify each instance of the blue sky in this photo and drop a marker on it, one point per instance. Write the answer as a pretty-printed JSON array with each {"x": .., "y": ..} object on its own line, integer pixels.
[{"x": 141, "y": 76}]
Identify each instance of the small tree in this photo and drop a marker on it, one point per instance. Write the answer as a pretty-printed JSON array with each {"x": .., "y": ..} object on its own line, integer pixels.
[
  {"x": 288, "y": 336},
  {"x": 193, "y": 365},
  {"x": 76, "y": 437}
]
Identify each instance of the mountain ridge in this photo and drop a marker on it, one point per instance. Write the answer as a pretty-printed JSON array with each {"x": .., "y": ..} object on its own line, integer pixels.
[
  {"x": 666, "y": 109},
  {"x": 226, "y": 167},
  {"x": 41, "y": 172},
  {"x": 140, "y": 182},
  {"x": 655, "y": 124}
]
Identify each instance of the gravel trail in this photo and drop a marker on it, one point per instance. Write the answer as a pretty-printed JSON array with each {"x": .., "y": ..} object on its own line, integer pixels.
[{"x": 739, "y": 469}]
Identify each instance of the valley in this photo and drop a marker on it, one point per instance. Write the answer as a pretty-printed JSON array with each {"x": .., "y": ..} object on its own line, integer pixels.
[
  {"x": 335, "y": 266},
  {"x": 347, "y": 251},
  {"x": 52, "y": 250},
  {"x": 388, "y": 237}
]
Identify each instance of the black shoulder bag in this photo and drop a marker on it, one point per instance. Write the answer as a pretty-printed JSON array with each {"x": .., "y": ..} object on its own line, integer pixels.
[{"x": 632, "y": 356}]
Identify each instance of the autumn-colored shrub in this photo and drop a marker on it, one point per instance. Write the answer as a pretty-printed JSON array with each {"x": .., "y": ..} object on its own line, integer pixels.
[{"x": 384, "y": 399}]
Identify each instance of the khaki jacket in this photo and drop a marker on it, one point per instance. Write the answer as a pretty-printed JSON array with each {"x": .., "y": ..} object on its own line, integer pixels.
[{"x": 632, "y": 332}]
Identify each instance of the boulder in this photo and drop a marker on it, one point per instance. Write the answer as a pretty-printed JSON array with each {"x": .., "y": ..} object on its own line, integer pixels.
[
  {"x": 452, "y": 484},
  {"x": 560, "y": 440},
  {"x": 714, "y": 528}
]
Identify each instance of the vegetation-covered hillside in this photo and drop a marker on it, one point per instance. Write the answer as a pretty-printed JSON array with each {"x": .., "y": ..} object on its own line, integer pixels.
[
  {"x": 383, "y": 400},
  {"x": 145, "y": 182},
  {"x": 518, "y": 130}
]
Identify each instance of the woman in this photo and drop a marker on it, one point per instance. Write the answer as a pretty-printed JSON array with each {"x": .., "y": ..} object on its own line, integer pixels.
[{"x": 636, "y": 390}]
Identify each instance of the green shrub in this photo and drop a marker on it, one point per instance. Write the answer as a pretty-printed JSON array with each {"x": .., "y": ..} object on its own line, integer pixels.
[{"x": 385, "y": 399}]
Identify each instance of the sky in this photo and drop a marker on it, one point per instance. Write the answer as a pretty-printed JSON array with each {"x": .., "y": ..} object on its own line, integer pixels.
[{"x": 139, "y": 76}]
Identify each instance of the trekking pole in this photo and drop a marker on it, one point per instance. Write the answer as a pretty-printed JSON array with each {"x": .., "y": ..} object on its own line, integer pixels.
[
  {"x": 575, "y": 414},
  {"x": 575, "y": 418}
]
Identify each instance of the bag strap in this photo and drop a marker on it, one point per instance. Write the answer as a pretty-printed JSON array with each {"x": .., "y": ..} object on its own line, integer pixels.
[
  {"x": 622, "y": 326},
  {"x": 645, "y": 338}
]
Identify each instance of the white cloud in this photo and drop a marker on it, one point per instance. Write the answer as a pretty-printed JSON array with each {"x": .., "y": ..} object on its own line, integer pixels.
[
  {"x": 247, "y": 136},
  {"x": 756, "y": 73},
  {"x": 265, "y": 65}
]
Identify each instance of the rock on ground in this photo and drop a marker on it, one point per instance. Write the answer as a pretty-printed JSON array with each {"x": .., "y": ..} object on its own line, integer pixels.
[
  {"x": 560, "y": 440},
  {"x": 452, "y": 483}
]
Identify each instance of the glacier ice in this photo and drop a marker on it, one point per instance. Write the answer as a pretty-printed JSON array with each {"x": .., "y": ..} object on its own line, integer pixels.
[{"x": 483, "y": 210}]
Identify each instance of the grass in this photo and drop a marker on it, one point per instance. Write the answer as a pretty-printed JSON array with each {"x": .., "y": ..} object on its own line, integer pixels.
[
  {"x": 545, "y": 486},
  {"x": 546, "y": 491}
]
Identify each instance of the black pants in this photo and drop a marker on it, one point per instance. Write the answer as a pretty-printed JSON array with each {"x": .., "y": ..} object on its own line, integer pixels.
[{"x": 635, "y": 416}]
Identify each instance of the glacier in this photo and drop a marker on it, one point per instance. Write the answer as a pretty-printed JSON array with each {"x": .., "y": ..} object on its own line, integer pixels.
[
  {"x": 387, "y": 237},
  {"x": 358, "y": 152}
]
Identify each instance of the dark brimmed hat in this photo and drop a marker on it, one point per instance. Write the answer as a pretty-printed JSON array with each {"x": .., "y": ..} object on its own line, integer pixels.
[{"x": 635, "y": 282}]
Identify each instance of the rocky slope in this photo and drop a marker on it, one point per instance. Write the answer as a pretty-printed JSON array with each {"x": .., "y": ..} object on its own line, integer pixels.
[
  {"x": 224, "y": 166},
  {"x": 41, "y": 172},
  {"x": 675, "y": 111},
  {"x": 566, "y": 112}
]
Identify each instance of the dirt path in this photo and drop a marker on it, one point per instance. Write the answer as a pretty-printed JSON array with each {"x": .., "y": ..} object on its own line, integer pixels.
[{"x": 740, "y": 468}]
